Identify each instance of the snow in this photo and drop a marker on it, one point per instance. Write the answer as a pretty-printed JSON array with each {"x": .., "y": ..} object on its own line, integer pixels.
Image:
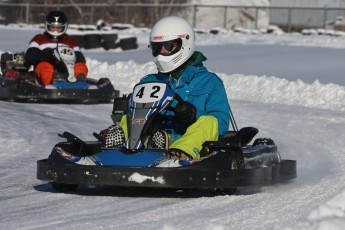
[
  {"x": 289, "y": 86},
  {"x": 137, "y": 177}
]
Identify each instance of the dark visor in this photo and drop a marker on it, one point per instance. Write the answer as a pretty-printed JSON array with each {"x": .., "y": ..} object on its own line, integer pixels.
[
  {"x": 52, "y": 26},
  {"x": 172, "y": 47}
]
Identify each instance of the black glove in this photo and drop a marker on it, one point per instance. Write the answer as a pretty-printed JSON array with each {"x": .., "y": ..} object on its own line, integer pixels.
[
  {"x": 47, "y": 55},
  {"x": 185, "y": 112}
]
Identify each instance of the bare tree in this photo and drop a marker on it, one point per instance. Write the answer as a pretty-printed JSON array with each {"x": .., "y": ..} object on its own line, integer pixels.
[{"x": 144, "y": 13}]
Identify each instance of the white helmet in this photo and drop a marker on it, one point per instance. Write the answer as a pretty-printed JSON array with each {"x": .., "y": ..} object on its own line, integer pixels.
[{"x": 177, "y": 37}]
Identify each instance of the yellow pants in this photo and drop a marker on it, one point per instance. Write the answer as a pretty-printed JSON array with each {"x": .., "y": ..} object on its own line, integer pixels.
[{"x": 204, "y": 129}]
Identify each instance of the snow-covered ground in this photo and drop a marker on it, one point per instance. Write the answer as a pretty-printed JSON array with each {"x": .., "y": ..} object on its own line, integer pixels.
[{"x": 291, "y": 87}]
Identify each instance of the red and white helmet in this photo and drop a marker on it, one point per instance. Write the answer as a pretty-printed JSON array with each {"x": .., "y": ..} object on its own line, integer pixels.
[{"x": 176, "y": 35}]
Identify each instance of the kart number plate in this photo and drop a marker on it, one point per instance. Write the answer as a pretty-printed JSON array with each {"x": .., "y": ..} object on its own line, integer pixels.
[
  {"x": 66, "y": 53},
  {"x": 148, "y": 92}
]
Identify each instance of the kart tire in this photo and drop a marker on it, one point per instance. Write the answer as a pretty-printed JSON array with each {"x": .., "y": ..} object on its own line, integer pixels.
[
  {"x": 110, "y": 37},
  {"x": 107, "y": 45},
  {"x": 64, "y": 188},
  {"x": 263, "y": 141},
  {"x": 92, "y": 45},
  {"x": 236, "y": 162},
  {"x": 108, "y": 41},
  {"x": 93, "y": 38},
  {"x": 128, "y": 43},
  {"x": 79, "y": 39},
  {"x": 93, "y": 41}
]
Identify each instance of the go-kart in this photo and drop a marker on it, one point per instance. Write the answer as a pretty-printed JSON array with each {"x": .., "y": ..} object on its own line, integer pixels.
[
  {"x": 19, "y": 84},
  {"x": 228, "y": 163}
]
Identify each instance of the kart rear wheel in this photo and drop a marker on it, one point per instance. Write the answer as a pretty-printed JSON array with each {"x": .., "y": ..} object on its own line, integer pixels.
[
  {"x": 263, "y": 141},
  {"x": 236, "y": 162},
  {"x": 59, "y": 187}
]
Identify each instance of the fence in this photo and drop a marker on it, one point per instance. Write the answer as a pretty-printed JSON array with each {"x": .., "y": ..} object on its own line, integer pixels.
[{"x": 225, "y": 16}]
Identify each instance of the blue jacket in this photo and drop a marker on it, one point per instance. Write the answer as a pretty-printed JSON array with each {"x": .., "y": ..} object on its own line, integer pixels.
[{"x": 203, "y": 89}]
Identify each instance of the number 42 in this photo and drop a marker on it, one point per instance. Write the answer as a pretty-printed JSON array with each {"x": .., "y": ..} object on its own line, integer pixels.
[{"x": 153, "y": 91}]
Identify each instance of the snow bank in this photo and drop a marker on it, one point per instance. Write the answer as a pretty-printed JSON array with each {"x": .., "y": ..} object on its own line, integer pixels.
[
  {"x": 261, "y": 89},
  {"x": 277, "y": 90}
]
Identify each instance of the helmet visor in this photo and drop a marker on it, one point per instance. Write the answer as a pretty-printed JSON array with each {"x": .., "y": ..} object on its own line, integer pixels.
[
  {"x": 166, "y": 48},
  {"x": 56, "y": 28}
]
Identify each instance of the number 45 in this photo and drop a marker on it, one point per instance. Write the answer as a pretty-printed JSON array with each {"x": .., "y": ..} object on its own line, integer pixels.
[{"x": 66, "y": 51}]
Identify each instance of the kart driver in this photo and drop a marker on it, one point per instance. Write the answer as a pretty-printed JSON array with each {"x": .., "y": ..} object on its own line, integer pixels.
[
  {"x": 205, "y": 113},
  {"x": 40, "y": 54}
]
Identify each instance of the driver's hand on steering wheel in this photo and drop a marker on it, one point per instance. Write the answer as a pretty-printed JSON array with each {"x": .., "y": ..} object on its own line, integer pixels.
[{"x": 185, "y": 112}]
